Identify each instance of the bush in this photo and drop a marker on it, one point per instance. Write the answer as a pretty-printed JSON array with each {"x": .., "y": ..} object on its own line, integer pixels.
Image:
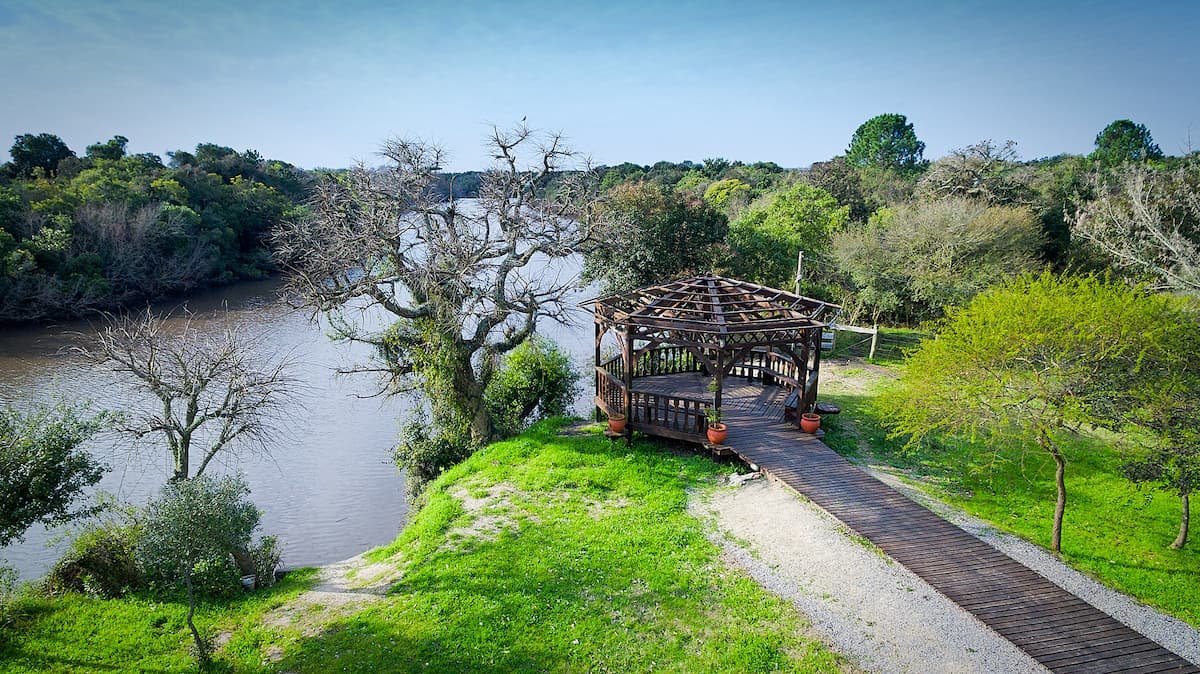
[
  {"x": 425, "y": 450},
  {"x": 265, "y": 557},
  {"x": 8, "y": 592},
  {"x": 101, "y": 561},
  {"x": 193, "y": 529},
  {"x": 535, "y": 380},
  {"x": 911, "y": 262}
]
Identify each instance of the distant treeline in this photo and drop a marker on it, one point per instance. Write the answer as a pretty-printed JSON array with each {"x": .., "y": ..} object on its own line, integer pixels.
[{"x": 108, "y": 229}]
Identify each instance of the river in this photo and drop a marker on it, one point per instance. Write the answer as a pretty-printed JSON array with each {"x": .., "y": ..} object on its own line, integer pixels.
[{"x": 328, "y": 489}]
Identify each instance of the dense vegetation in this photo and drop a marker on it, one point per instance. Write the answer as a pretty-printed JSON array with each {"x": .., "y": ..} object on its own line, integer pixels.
[
  {"x": 540, "y": 553},
  {"x": 108, "y": 229}
]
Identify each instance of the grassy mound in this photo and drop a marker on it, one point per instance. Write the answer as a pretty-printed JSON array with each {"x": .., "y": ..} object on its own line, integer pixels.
[{"x": 541, "y": 553}]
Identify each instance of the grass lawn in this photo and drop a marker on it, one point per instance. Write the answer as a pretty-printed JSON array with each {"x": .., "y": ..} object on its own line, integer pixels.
[
  {"x": 541, "y": 553},
  {"x": 1117, "y": 532}
]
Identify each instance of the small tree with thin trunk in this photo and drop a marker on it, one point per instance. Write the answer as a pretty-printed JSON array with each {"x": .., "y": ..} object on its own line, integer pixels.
[
  {"x": 1169, "y": 411},
  {"x": 210, "y": 393},
  {"x": 194, "y": 521},
  {"x": 1032, "y": 362}
]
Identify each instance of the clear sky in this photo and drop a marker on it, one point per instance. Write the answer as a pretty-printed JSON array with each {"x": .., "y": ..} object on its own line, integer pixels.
[{"x": 322, "y": 84}]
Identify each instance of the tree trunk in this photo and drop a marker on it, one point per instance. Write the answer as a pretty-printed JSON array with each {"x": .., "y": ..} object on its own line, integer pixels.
[
  {"x": 471, "y": 390},
  {"x": 1060, "y": 504},
  {"x": 1184, "y": 515},
  {"x": 201, "y": 649}
]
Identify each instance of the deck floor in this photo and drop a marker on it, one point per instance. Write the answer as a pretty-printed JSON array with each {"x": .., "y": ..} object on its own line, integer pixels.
[{"x": 1058, "y": 629}]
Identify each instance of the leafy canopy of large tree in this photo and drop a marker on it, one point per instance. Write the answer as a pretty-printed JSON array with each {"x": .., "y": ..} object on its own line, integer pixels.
[
  {"x": 1031, "y": 362},
  {"x": 652, "y": 234},
  {"x": 887, "y": 141},
  {"x": 43, "y": 467},
  {"x": 767, "y": 237},
  {"x": 1125, "y": 140},
  {"x": 42, "y": 151}
]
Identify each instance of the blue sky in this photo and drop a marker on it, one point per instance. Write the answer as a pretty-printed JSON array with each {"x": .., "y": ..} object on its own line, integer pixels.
[{"x": 322, "y": 84}]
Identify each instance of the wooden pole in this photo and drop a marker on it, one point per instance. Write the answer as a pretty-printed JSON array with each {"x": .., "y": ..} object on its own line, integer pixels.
[
  {"x": 628, "y": 402},
  {"x": 816, "y": 373},
  {"x": 874, "y": 342},
  {"x": 599, "y": 416},
  {"x": 799, "y": 269}
]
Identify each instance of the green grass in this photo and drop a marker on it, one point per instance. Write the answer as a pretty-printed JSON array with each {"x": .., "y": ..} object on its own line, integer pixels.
[
  {"x": 1113, "y": 530},
  {"x": 76, "y": 633},
  {"x": 595, "y": 565},
  {"x": 892, "y": 345}
]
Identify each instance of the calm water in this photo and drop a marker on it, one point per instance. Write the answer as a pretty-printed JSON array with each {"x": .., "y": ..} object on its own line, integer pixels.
[{"x": 328, "y": 489}]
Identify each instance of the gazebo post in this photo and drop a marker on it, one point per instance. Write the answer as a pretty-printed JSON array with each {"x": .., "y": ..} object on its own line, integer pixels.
[
  {"x": 628, "y": 402},
  {"x": 816, "y": 370},
  {"x": 719, "y": 376},
  {"x": 598, "y": 414}
]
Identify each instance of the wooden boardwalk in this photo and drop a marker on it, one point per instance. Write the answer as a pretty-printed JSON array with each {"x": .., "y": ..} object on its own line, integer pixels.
[{"x": 1058, "y": 629}]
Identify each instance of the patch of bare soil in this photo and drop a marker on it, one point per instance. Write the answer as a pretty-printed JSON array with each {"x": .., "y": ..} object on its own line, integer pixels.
[{"x": 342, "y": 589}]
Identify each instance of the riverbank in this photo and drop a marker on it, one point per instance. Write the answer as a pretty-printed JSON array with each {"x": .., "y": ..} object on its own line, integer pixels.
[{"x": 546, "y": 552}]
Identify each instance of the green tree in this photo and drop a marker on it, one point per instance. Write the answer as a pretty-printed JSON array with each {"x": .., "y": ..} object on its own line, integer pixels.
[
  {"x": 766, "y": 238},
  {"x": 1168, "y": 412},
  {"x": 725, "y": 193},
  {"x": 1035, "y": 360},
  {"x": 910, "y": 262},
  {"x": 651, "y": 234},
  {"x": 43, "y": 467},
  {"x": 42, "y": 151},
  {"x": 193, "y": 522},
  {"x": 840, "y": 179},
  {"x": 111, "y": 150},
  {"x": 887, "y": 141},
  {"x": 1123, "y": 141}
]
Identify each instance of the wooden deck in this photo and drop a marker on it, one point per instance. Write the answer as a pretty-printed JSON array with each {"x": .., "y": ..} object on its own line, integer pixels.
[{"x": 1058, "y": 629}]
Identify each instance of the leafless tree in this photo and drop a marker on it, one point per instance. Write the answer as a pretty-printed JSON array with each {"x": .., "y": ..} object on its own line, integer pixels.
[
  {"x": 212, "y": 394},
  {"x": 465, "y": 281},
  {"x": 1147, "y": 221},
  {"x": 983, "y": 171}
]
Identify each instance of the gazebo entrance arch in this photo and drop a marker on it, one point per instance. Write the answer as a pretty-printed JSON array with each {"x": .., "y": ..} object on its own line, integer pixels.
[{"x": 680, "y": 343}]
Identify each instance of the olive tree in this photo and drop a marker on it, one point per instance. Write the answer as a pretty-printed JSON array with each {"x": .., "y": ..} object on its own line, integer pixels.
[
  {"x": 1032, "y": 361},
  {"x": 191, "y": 522},
  {"x": 464, "y": 282},
  {"x": 43, "y": 467},
  {"x": 209, "y": 393}
]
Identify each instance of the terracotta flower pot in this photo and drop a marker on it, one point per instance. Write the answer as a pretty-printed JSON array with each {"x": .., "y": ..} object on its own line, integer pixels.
[
  {"x": 616, "y": 423},
  {"x": 717, "y": 433},
  {"x": 809, "y": 422}
]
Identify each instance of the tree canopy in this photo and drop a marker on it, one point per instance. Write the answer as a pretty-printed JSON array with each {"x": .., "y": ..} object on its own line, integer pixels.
[
  {"x": 1125, "y": 140},
  {"x": 887, "y": 141}
]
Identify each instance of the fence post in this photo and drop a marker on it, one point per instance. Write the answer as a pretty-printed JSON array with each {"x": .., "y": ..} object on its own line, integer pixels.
[{"x": 874, "y": 342}]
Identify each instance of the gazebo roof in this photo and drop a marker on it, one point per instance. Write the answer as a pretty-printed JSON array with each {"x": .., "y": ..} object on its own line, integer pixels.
[{"x": 713, "y": 311}]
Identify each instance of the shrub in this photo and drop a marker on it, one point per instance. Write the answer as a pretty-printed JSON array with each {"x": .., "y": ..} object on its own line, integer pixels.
[
  {"x": 8, "y": 592},
  {"x": 265, "y": 558},
  {"x": 535, "y": 380},
  {"x": 101, "y": 561},
  {"x": 425, "y": 450},
  {"x": 194, "y": 527},
  {"x": 911, "y": 262}
]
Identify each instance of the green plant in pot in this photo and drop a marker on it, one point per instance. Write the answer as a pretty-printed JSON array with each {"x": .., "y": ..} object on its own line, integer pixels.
[
  {"x": 616, "y": 422},
  {"x": 717, "y": 431}
]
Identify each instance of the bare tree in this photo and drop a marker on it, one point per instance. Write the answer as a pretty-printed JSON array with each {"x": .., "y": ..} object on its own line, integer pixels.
[
  {"x": 1147, "y": 222},
  {"x": 983, "y": 171},
  {"x": 465, "y": 282},
  {"x": 212, "y": 393}
]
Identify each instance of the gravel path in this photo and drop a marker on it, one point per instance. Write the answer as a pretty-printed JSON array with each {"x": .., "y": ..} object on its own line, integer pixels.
[{"x": 871, "y": 609}]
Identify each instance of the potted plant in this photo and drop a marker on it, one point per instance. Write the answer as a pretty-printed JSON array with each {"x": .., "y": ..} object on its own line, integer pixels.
[
  {"x": 717, "y": 432},
  {"x": 616, "y": 422},
  {"x": 810, "y": 422}
]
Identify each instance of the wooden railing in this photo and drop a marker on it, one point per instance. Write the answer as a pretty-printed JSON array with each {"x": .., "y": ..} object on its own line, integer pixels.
[
  {"x": 672, "y": 416},
  {"x": 684, "y": 417}
]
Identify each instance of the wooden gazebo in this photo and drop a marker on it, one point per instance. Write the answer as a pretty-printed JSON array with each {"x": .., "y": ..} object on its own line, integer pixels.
[{"x": 695, "y": 344}]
